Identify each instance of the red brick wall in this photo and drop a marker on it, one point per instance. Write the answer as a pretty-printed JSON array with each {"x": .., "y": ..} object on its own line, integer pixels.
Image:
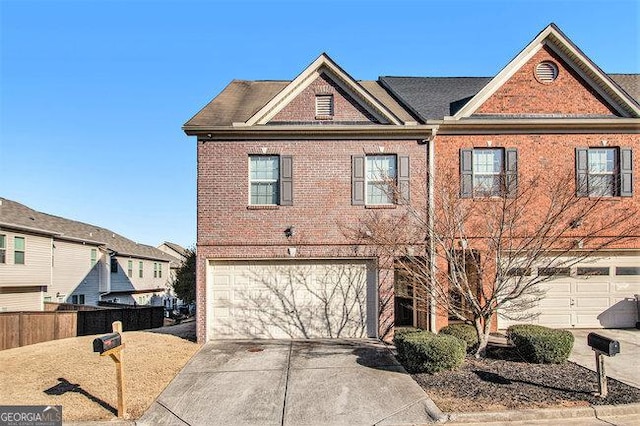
[
  {"x": 321, "y": 212},
  {"x": 303, "y": 107},
  {"x": 550, "y": 155},
  {"x": 524, "y": 94}
]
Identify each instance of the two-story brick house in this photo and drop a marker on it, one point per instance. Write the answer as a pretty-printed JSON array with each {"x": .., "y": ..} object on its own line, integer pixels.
[{"x": 286, "y": 169}]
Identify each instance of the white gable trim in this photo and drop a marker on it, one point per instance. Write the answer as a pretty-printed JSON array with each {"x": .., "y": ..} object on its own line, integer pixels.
[
  {"x": 574, "y": 58},
  {"x": 323, "y": 65}
]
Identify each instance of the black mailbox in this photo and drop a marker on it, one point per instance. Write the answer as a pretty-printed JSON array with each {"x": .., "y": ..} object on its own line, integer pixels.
[
  {"x": 108, "y": 341},
  {"x": 602, "y": 344}
]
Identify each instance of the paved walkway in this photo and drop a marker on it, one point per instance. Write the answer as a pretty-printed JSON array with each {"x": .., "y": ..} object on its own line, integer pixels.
[{"x": 324, "y": 382}]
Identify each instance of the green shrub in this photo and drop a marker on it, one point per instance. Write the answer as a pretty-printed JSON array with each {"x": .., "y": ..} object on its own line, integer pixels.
[
  {"x": 541, "y": 345},
  {"x": 425, "y": 352},
  {"x": 465, "y": 332}
]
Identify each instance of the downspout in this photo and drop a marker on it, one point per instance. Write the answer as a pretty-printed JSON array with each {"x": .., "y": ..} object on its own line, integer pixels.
[{"x": 431, "y": 225}]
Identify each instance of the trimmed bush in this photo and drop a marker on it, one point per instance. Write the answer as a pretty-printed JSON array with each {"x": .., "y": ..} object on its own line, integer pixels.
[
  {"x": 425, "y": 352},
  {"x": 465, "y": 332},
  {"x": 541, "y": 345}
]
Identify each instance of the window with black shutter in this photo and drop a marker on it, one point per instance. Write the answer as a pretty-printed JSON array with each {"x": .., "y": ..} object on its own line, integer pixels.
[
  {"x": 379, "y": 179},
  {"x": 604, "y": 172},
  {"x": 488, "y": 172}
]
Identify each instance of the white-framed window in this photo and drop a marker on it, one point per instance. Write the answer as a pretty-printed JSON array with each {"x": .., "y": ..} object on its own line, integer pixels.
[
  {"x": 604, "y": 172},
  {"x": 381, "y": 172},
  {"x": 264, "y": 176},
  {"x": 601, "y": 179},
  {"x": 130, "y": 268},
  {"x": 18, "y": 250},
  {"x": 3, "y": 248},
  {"x": 155, "y": 269},
  {"x": 94, "y": 257},
  {"x": 159, "y": 270},
  {"x": 324, "y": 106},
  {"x": 488, "y": 172}
]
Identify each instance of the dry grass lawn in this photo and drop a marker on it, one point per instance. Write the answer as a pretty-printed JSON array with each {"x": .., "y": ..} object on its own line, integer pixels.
[{"x": 85, "y": 381}]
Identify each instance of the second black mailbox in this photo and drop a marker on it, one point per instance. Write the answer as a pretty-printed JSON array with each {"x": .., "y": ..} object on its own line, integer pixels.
[
  {"x": 602, "y": 344},
  {"x": 108, "y": 341}
]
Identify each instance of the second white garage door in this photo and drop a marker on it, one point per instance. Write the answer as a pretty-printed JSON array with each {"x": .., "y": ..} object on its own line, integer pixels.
[
  {"x": 599, "y": 294},
  {"x": 291, "y": 299}
]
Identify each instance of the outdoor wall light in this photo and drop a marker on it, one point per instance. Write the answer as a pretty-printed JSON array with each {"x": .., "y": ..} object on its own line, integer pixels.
[
  {"x": 289, "y": 232},
  {"x": 576, "y": 223}
]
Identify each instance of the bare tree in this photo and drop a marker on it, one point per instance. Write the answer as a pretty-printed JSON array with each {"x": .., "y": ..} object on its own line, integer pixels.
[{"x": 491, "y": 254}]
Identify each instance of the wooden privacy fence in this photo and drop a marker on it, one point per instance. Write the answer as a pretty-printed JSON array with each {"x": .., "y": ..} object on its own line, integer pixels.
[{"x": 26, "y": 328}]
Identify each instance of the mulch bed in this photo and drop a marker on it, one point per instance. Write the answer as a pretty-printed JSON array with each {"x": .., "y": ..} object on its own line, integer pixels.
[{"x": 492, "y": 384}]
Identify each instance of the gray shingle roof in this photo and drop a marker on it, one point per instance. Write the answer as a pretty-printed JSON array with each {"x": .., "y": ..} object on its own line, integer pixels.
[
  {"x": 20, "y": 216},
  {"x": 425, "y": 98},
  {"x": 434, "y": 97},
  {"x": 241, "y": 99},
  {"x": 630, "y": 83}
]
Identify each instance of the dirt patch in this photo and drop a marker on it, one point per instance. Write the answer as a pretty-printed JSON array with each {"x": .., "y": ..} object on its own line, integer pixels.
[
  {"x": 498, "y": 385},
  {"x": 67, "y": 372}
]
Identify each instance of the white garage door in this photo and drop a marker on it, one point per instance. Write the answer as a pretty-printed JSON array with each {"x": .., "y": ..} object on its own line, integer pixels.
[
  {"x": 291, "y": 299},
  {"x": 595, "y": 295}
]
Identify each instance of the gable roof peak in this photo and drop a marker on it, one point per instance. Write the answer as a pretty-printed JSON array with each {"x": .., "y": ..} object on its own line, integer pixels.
[
  {"x": 323, "y": 64},
  {"x": 556, "y": 40}
]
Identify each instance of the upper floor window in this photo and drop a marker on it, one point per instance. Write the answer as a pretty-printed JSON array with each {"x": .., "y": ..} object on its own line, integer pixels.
[
  {"x": 159, "y": 270},
  {"x": 140, "y": 269},
  {"x": 324, "y": 106},
  {"x": 379, "y": 179},
  {"x": 488, "y": 172},
  {"x": 270, "y": 180},
  {"x": 3, "y": 248},
  {"x": 604, "y": 172},
  {"x": 114, "y": 265},
  {"x": 94, "y": 257},
  {"x": 130, "y": 268},
  {"x": 18, "y": 250}
]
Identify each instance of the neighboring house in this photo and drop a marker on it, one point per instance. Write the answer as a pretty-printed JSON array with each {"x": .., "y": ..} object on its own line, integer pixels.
[
  {"x": 50, "y": 258},
  {"x": 287, "y": 169},
  {"x": 177, "y": 252},
  {"x": 179, "y": 256}
]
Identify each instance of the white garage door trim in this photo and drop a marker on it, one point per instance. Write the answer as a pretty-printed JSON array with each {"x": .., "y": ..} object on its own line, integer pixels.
[
  {"x": 291, "y": 298},
  {"x": 597, "y": 301}
]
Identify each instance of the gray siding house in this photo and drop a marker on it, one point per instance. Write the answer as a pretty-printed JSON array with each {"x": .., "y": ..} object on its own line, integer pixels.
[{"x": 50, "y": 258}]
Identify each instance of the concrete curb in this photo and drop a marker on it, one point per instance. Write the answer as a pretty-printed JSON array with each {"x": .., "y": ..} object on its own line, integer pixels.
[{"x": 592, "y": 411}]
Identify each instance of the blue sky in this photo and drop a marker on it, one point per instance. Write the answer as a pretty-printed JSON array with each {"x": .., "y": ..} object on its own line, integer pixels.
[{"x": 93, "y": 94}]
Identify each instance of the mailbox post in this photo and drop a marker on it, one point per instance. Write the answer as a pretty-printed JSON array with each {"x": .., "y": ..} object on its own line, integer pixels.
[
  {"x": 602, "y": 346},
  {"x": 111, "y": 344}
]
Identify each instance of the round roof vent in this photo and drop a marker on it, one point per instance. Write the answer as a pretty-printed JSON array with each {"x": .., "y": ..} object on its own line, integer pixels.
[{"x": 546, "y": 72}]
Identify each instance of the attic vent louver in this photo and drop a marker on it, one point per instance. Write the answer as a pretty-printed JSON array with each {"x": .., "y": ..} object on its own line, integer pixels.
[
  {"x": 546, "y": 72},
  {"x": 324, "y": 105}
]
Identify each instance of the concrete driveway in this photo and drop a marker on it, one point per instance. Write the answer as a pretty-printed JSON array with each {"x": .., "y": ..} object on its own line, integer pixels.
[
  {"x": 315, "y": 382},
  {"x": 623, "y": 366}
]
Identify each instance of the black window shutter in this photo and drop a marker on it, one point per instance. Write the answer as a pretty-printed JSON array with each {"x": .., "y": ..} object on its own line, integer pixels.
[
  {"x": 511, "y": 172},
  {"x": 466, "y": 173},
  {"x": 403, "y": 179},
  {"x": 582, "y": 172},
  {"x": 286, "y": 180},
  {"x": 357, "y": 180},
  {"x": 626, "y": 172}
]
